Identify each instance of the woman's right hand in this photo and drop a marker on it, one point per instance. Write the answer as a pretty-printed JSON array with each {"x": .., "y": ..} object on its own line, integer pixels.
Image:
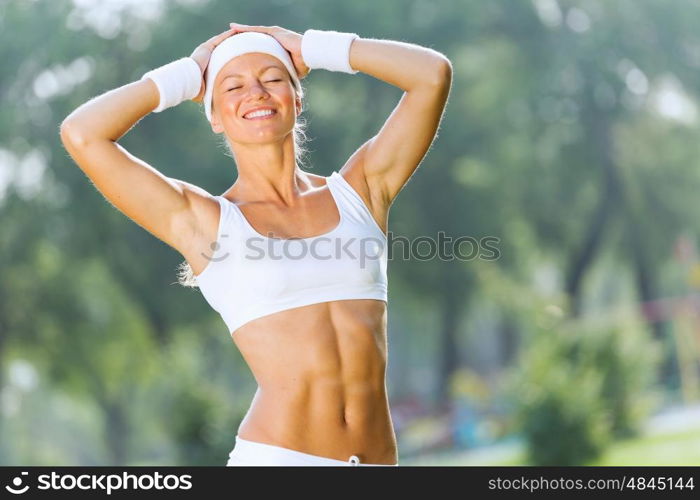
[{"x": 202, "y": 54}]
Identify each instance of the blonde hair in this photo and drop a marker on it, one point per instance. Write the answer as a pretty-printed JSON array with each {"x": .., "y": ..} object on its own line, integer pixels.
[{"x": 185, "y": 275}]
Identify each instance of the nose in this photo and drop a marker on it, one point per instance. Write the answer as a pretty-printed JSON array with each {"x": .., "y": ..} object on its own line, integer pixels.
[{"x": 257, "y": 90}]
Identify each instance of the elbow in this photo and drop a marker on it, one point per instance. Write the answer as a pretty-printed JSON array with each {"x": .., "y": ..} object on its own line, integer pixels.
[
  {"x": 441, "y": 73},
  {"x": 444, "y": 71},
  {"x": 72, "y": 135},
  {"x": 66, "y": 131}
]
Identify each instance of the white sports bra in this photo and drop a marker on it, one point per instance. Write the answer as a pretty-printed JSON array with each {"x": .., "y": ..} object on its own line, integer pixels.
[{"x": 250, "y": 276}]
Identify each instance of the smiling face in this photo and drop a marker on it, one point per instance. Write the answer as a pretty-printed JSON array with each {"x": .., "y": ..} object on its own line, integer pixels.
[{"x": 250, "y": 82}]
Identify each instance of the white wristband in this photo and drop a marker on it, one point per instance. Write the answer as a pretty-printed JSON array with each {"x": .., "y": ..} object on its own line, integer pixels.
[
  {"x": 328, "y": 50},
  {"x": 177, "y": 81}
]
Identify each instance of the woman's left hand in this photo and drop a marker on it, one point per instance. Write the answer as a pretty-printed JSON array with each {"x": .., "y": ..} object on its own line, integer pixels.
[{"x": 290, "y": 40}]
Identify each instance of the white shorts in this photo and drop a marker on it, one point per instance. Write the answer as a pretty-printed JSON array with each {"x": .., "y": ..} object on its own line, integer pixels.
[{"x": 251, "y": 453}]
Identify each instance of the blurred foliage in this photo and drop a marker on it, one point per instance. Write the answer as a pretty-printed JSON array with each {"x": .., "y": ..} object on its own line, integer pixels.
[{"x": 580, "y": 385}]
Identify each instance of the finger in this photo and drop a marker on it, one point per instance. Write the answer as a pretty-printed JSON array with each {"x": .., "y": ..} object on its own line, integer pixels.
[
  {"x": 223, "y": 33},
  {"x": 223, "y": 36},
  {"x": 245, "y": 27},
  {"x": 216, "y": 38}
]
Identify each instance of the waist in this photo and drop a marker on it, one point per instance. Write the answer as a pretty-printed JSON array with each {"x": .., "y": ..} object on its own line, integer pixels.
[{"x": 325, "y": 418}]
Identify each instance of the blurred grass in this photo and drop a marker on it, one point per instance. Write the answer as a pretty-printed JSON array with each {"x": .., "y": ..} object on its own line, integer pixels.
[
  {"x": 668, "y": 448},
  {"x": 679, "y": 448}
]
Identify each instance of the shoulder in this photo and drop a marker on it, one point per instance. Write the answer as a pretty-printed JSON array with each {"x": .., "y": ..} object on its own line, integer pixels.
[
  {"x": 352, "y": 172},
  {"x": 316, "y": 180}
]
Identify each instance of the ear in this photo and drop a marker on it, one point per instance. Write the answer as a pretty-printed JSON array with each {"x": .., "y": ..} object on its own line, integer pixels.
[
  {"x": 216, "y": 126},
  {"x": 299, "y": 104}
]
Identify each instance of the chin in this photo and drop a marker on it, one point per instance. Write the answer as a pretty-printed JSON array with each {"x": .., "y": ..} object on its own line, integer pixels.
[{"x": 263, "y": 136}]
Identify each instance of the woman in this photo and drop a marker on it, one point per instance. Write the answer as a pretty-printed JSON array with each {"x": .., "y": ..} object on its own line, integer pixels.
[{"x": 294, "y": 262}]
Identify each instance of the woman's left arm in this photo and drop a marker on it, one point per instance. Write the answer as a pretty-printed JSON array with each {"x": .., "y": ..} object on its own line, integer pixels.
[{"x": 390, "y": 157}]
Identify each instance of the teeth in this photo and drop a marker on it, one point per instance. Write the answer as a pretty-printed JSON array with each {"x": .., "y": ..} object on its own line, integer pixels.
[{"x": 255, "y": 114}]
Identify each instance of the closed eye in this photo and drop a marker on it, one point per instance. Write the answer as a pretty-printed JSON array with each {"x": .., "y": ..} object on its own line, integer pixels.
[{"x": 269, "y": 81}]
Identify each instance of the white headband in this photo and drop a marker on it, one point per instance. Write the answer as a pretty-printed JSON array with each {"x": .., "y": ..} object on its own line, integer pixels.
[{"x": 239, "y": 44}]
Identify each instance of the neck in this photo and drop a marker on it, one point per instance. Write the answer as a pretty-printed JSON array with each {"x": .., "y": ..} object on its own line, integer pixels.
[{"x": 268, "y": 172}]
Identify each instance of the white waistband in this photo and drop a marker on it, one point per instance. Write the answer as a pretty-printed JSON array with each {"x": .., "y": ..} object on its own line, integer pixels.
[{"x": 252, "y": 453}]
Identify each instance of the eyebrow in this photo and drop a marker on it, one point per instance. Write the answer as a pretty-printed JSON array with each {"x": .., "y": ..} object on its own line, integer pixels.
[{"x": 237, "y": 75}]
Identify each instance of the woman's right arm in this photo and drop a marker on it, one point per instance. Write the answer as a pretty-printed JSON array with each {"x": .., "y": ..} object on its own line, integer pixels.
[
  {"x": 159, "y": 204},
  {"x": 164, "y": 206}
]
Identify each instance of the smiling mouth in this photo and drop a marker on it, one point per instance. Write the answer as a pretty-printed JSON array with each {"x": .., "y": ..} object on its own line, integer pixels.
[{"x": 260, "y": 115}]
